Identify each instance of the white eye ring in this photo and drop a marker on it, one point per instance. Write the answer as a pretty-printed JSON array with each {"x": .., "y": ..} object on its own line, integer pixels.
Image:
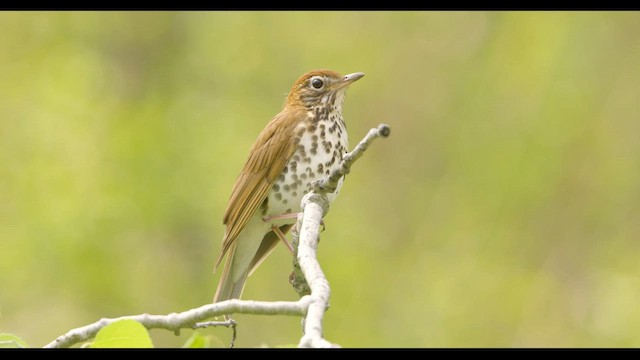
[{"x": 316, "y": 82}]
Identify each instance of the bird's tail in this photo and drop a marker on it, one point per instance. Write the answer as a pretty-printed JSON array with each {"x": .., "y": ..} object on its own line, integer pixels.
[
  {"x": 228, "y": 288},
  {"x": 239, "y": 266}
]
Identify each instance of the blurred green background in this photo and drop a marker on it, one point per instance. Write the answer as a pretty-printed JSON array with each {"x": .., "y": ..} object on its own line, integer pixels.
[{"x": 503, "y": 211}]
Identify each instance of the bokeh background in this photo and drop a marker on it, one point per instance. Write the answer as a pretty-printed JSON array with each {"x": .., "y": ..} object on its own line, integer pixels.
[{"x": 503, "y": 211}]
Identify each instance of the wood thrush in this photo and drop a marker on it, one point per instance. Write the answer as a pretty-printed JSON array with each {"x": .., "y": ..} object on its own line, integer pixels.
[{"x": 302, "y": 143}]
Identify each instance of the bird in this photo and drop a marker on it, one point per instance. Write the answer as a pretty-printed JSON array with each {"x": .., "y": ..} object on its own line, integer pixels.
[{"x": 304, "y": 142}]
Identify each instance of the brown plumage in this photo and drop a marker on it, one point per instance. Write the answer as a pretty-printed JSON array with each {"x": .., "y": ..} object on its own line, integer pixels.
[{"x": 300, "y": 144}]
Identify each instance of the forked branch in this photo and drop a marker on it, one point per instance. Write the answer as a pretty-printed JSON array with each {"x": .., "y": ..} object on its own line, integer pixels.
[{"x": 307, "y": 274}]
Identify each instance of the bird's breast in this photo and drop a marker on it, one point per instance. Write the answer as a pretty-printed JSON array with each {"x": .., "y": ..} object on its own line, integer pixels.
[{"x": 321, "y": 143}]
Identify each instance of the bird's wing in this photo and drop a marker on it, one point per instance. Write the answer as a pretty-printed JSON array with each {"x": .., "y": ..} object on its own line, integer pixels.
[{"x": 268, "y": 157}]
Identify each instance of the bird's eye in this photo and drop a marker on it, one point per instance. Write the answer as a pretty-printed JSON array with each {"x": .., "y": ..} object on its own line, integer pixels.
[{"x": 317, "y": 83}]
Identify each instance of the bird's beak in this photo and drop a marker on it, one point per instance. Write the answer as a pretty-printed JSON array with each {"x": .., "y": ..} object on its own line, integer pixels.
[{"x": 348, "y": 79}]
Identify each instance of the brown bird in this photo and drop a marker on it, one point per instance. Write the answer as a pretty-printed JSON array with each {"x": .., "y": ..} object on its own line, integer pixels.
[{"x": 302, "y": 143}]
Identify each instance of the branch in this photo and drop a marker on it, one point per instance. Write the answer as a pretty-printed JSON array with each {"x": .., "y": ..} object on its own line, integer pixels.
[
  {"x": 314, "y": 206},
  {"x": 190, "y": 319}
]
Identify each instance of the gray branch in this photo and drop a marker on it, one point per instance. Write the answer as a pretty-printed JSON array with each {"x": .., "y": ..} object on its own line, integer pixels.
[
  {"x": 311, "y": 307},
  {"x": 314, "y": 207},
  {"x": 308, "y": 275},
  {"x": 190, "y": 319}
]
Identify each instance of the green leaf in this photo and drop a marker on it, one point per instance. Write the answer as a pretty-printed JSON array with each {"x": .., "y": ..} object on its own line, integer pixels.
[
  {"x": 11, "y": 341},
  {"x": 123, "y": 334},
  {"x": 196, "y": 341}
]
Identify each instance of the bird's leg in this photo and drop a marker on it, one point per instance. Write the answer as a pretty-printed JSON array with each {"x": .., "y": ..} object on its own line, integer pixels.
[
  {"x": 277, "y": 230},
  {"x": 279, "y": 233}
]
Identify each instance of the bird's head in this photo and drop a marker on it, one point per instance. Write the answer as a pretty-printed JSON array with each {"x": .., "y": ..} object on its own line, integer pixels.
[{"x": 319, "y": 87}]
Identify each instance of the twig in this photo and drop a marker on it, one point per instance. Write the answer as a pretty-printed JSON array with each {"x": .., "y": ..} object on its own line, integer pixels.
[
  {"x": 228, "y": 323},
  {"x": 328, "y": 185}
]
